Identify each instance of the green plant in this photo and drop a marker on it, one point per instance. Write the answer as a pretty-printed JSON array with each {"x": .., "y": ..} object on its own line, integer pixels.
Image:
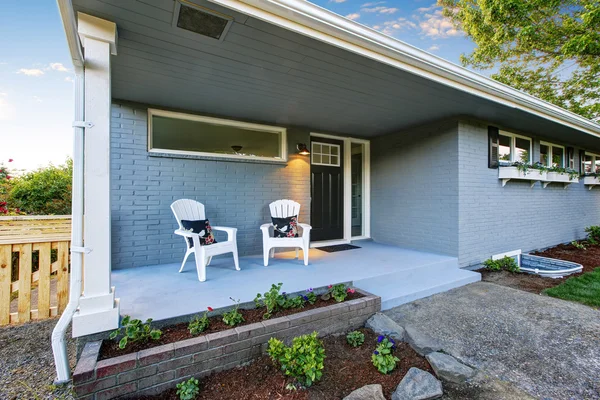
[
  {"x": 578, "y": 245},
  {"x": 383, "y": 357},
  {"x": 593, "y": 234},
  {"x": 233, "y": 317},
  {"x": 507, "y": 263},
  {"x": 311, "y": 297},
  {"x": 135, "y": 331},
  {"x": 198, "y": 325},
  {"x": 303, "y": 360},
  {"x": 272, "y": 300},
  {"x": 188, "y": 390},
  {"x": 355, "y": 338},
  {"x": 294, "y": 302},
  {"x": 570, "y": 171},
  {"x": 339, "y": 292}
]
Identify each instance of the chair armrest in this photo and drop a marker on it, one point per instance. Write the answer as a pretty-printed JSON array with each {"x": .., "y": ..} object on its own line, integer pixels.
[
  {"x": 231, "y": 232},
  {"x": 305, "y": 226},
  {"x": 189, "y": 234},
  {"x": 265, "y": 226}
]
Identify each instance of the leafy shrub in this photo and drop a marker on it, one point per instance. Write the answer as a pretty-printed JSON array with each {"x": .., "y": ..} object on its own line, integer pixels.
[
  {"x": 507, "y": 263},
  {"x": 355, "y": 338},
  {"x": 188, "y": 390},
  {"x": 578, "y": 245},
  {"x": 135, "y": 331},
  {"x": 593, "y": 234},
  {"x": 44, "y": 191},
  {"x": 233, "y": 317},
  {"x": 198, "y": 325},
  {"x": 383, "y": 357},
  {"x": 303, "y": 360}
]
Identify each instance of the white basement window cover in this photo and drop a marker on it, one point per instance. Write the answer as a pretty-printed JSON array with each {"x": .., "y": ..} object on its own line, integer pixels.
[{"x": 194, "y": 135}]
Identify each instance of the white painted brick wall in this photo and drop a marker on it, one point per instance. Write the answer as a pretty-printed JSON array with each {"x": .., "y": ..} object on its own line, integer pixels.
[{"x": 235, "y": 194}]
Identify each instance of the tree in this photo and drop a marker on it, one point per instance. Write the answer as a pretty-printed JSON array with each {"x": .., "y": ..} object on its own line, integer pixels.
[
  {"x": 548, "y": 48},
  {"x": 44, "y": 191}
]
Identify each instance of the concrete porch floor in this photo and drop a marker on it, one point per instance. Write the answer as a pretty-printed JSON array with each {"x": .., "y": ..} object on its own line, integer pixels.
[{"x": 159, "y": 292}]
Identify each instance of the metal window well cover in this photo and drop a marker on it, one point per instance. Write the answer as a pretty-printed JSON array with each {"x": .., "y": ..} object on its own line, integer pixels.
[
  {"x": 548, "y": 267},
  {"x": 338, "y": 247}
]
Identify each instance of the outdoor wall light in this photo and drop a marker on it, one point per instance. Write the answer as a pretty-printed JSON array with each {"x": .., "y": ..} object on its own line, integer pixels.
[
  {"x": 236, "y": 148},
  {"x": 302, "y": 150}
]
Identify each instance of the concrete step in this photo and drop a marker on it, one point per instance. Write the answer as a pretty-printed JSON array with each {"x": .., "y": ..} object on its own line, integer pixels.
[{"x": 409, "y": 285}]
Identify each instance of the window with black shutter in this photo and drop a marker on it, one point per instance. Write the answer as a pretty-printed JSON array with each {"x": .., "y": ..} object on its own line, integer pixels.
[{"x": 494, "y": 143}]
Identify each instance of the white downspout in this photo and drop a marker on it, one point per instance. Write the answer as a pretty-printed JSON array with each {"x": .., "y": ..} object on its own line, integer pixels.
[{"x": 59, "y": 347}]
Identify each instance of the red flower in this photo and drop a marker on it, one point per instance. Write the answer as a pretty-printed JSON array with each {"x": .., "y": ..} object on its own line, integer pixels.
[
  {"x": 210, "y": 309},
  {"x": 330, "y": 286},
  {"x": 10, "y": 160},
  {"x": 7, "y": 177}
]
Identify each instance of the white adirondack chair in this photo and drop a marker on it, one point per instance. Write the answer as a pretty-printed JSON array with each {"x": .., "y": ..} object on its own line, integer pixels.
[
  {"x": 284, "y": 209},
  {"x": 192, "y": 210}
]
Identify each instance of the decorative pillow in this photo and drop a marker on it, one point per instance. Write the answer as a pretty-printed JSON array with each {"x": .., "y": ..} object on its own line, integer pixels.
[
  {"x": 202, "y": 227},
  {"x": 285, "y": 227}
]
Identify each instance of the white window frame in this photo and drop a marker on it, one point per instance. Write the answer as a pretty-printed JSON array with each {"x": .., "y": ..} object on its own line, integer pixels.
[
  {"x": 513, "y": 137},
  {"x": 594, "y": 158},
  {"x": 282, "y": 132},
  {"x": 551, "y": 154},
  {"x": 330, "y": 145}
]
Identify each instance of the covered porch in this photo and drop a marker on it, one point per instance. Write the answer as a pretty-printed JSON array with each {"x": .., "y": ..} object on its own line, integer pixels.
[{"x": 397, "y": 275}]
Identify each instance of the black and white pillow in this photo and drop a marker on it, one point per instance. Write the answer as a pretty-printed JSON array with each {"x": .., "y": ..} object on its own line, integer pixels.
[
  {"x": 201, "y": 226},
  {"x": 285, "y": 227}
]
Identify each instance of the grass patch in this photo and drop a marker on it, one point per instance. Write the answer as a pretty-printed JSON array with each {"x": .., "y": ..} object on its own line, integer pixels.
[{"x": 583, "y": 289}]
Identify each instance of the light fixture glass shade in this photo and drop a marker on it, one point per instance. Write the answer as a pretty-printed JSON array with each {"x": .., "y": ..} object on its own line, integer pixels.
[{"x": 302, "y": 149}]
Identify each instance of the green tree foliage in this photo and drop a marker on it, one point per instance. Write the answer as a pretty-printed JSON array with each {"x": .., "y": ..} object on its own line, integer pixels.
[
  {"x": 548, "y": 48},
  {"x": 45, "y": 191}
]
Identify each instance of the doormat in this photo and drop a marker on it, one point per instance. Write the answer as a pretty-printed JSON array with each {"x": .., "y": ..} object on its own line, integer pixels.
[{"x": 338, "y": 247}]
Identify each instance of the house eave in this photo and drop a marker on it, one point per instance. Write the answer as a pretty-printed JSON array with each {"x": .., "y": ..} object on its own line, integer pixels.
[
  {"x": 311, "y": 20},
  {"x": 67, "y": 15}
]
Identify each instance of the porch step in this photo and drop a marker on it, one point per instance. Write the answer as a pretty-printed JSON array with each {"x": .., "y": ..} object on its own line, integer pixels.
[{"x": 409, "y": 285}]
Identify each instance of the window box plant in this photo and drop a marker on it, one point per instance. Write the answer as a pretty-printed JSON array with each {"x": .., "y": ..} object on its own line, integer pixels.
[
  {"x": 522, "y": 171},
  {"x": 566, "y": 176},
  {"x": 591, "y": 180}
]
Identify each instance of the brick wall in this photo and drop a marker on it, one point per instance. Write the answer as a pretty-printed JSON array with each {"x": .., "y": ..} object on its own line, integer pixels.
[
  {"x": 235, "y": 194},
  {"x": 414, "y": 188},
  {"x": 150, "y": 372},
  {"x": 495, "y": 219}
]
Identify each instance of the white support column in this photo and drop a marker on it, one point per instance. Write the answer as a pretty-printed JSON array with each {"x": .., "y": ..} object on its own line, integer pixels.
[{"x": 98, "y": 308}]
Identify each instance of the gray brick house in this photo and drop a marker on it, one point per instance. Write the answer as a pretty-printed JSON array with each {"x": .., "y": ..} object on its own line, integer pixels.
[{"x": 216, "y": 100}]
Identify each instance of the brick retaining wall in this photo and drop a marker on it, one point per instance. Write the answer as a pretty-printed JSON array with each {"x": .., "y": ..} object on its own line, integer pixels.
[{"x": 154, "y": 370}]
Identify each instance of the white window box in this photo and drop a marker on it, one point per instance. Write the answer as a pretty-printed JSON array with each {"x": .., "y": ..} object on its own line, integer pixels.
[
  {"x": 509, "y": 173},
  {"x": 559, "y": 177},
  {"x": 591, "y": 181}
]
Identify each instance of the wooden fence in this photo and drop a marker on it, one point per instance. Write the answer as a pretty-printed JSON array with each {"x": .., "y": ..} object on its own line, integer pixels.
[{"x": 34, "y": 259}]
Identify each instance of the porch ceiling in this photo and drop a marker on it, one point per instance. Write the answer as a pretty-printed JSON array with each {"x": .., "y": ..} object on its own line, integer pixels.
[{"x": 264, "y": 73}]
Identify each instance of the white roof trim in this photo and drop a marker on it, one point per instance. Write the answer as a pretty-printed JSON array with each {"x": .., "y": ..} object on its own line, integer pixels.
[
  {"x": 67, "y": 15},
  {"x": 316, "y": 22}
]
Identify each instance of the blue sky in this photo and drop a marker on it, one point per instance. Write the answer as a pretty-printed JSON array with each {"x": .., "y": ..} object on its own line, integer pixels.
[{"x": 36, "y": 76}]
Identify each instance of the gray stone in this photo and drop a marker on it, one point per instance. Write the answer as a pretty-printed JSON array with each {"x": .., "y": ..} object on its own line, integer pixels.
[
  {"x": 368, "y": 392},
  {"x": 421, "y": 342},
  {"x": 418, "y": 385},
  {"x": 384, "y": 325},
  {"x": 449, "y": 368}
]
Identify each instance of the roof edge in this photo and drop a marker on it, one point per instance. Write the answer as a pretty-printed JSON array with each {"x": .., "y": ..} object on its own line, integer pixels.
[{"x": 311, "y": 20}]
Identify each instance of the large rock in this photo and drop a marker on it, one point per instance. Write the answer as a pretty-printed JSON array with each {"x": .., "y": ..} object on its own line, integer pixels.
[
  {"x": 421, "y": 342},
  {"x": 384, "y": 325},
  {"x": 368, "y": 392},
  {"x": 418, "y": 385},
  {"x": 449, "y": 368}
]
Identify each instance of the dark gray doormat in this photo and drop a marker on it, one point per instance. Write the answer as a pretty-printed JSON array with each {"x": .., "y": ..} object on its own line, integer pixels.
[{"x": 338, "y": 247}]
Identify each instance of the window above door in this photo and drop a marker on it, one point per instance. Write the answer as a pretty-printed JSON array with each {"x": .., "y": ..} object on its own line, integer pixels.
[{"x": 327, "y": 154}]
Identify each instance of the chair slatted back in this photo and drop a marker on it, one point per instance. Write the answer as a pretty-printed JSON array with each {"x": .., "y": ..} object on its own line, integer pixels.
[
  {"x": 284, "y": 208},
  {"x": 187, "y": 209}
]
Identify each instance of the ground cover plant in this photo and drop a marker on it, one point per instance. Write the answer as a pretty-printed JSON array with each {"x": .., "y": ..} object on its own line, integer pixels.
[
  {"x": 205, "y": 324},
  {"x": 355, "y": 338},
  {"x": 583, "y": 289},
  {"x": 135, "y": 331},
  {"x": 506, "y": 263}
]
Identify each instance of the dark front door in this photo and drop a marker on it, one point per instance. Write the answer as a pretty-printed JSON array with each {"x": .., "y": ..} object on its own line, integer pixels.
[{"x": 327, "y": 189}]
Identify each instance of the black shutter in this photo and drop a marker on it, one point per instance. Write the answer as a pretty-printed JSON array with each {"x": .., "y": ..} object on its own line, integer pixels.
[
  {"x": 570, "y": 161},
  {"x": 581, "y": 157},
  {"x": 493, "y": 148}
]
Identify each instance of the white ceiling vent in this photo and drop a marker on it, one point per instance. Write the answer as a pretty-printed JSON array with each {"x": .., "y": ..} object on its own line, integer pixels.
[{"x": 193, "y": 19}]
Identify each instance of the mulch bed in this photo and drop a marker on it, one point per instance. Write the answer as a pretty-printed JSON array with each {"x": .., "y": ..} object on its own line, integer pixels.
[
  {"x": 180, "y": 331},
  {"x": 589, "y": 258},
  {"x": 346, "y": 369}
]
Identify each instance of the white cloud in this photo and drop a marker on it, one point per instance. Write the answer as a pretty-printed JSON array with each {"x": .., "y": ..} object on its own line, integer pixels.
[
  {"x": 376, "y": 3},
  {"x": 58, "y": 67},
  {"x": 434, "y": 24},
  {"x": 69, "y": 79},
  {"x": 380, "y": 10},
  {"x": 338, "y": 1},
  {"x": 31, "y": 71},
  {"x": 37, "y": 99},
  {"x": 7, "y": 110},
  {"x": 435, "y": 47},
  {"x": 394, "y": 26},
  {"x": 353, "y": 16}
]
